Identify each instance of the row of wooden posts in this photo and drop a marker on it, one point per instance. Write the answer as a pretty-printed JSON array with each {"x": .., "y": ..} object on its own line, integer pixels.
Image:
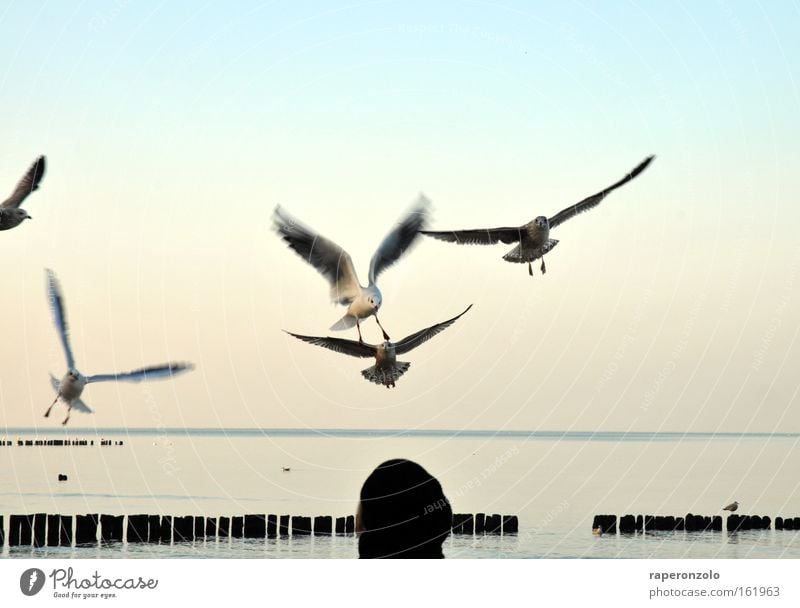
[
  {"x": 629, "y": 524},
  {"x": 43, "y": 530},
  {"x": 42, "y": 443}
]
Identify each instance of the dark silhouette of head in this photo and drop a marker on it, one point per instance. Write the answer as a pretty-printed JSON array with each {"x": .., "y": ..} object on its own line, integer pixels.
[{"x": 403, "y": 513}]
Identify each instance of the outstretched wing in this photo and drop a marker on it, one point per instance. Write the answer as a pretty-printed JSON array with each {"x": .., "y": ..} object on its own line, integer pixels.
[
  {"x": 397, "y": 242},
  {"x": 411, "y": 342},
  {"x": 79, "y": 405},
  {"x": 59, "y": 314},
  {"x": 26, "y": 185},
  {"x": 478, "y": 236},
  {"x": 595, "y": 199},
  {"x": 327, "y": 257},
  {"x": 339, "y": 345},
  {"x": 154, "y": 372}
]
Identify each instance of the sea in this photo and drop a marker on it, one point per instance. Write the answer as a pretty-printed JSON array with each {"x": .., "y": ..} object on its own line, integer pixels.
[{"x": 554, "y": 482}]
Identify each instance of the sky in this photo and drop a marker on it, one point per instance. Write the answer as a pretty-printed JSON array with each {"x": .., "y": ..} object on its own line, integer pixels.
[{"x": 172, "y": 131}]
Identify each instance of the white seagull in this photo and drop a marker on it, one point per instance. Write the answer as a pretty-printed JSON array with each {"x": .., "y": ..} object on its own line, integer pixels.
[
  {"x": 534, "y": 237},
  {"x": 731, "y": 507},
  {"x": 335, "y": 264},
  {"x": 71, "y": 386},
  {"x": 11, "y": 215},
  {"x": 387, "y": 369}
]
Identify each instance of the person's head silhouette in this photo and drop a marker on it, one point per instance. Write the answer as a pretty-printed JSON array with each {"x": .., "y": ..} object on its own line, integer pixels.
[{"x": 403, "y": 513}]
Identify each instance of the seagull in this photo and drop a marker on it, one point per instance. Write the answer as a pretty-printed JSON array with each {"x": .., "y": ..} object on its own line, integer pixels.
[
  {"x": 335, "y": 264},
  {"x": 534, "y": 237},
  {"x": 70, "y": 387},
  {"x": 11, "y": 215},
  {"x": 731, "y": 507},
  {"x": 387, "y": 369}
]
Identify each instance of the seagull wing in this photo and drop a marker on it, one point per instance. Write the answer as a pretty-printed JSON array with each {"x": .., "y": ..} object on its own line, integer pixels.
[
  {"x": 397, "y": 242},
  {"x": 26, "y": 185},
  {"x": 411, "y": 342},
  {"x": 81, "y": 407},
  {"x": 56, "y": 299},
  {"x": 595, "y": 199},
  {"x": 327, "y": 257},
  {"x": 340, "y": 345},
  {"x": 154, "y": 372},
  {"x": 478, "y": 236}
]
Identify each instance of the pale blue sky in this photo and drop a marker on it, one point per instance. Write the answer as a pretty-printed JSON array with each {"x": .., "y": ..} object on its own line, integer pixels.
[{"x": 172, "y": 130}]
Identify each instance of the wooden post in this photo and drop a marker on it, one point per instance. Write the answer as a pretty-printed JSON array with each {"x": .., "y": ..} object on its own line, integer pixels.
[
  {"x": 224, "y": 527},
  {"x": 166, "y": 530},
  {"x": 455, "y": 523},
  {"x": 111, "y": 528},
  {"x": 649, "y": 523},
  {"x": 340, "y": 525},
  {"x": 283, "y": 526},
  {"x": 19, "y": 530},
  {"x": 322, "y": 525},
  {"x": 480, "y": 523},
  {"x": 639, "y": 523},
  {"x": 211, "y": 527},
  {"x": 680, "y": 524},
  {"x": 350, "y": 525},
  {"x": 627, "y": 524},
  {"x": 734, "y": 522},
  {"x": 272, "y": 526},
  {"x": 468, "y": 525},
  {"x": 779, "y": 523},
  {"x": 183, "y": 528},
  {"x": 2, "y": 533},
  {"x": 39, "y": 530},
  {"x": 53, "y": 524},
  {"x": 137, "y": 529},
  {"x": 511, "y": 524},
  {"x": 255, "y": 526},
  {"x": 788, "y": 523},
  {"x": 153, "y": 528},
  {"x": 716, "y": 523},
  {"x": 86, "y": 529},
  {"x": 65, "y": 531},
  {"x": 199, "y": 526},
  {"x": 301, "y": 526},
  {"x": 237, "y": 526},
  {"x": 766, "y": 522}
]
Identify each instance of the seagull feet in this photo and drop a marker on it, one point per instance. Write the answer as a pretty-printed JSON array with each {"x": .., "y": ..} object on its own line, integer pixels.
[
  {"x": 543, "y": 269},
  {"x": 530, "y": 269},
  {"x": 385, "y": 335}
]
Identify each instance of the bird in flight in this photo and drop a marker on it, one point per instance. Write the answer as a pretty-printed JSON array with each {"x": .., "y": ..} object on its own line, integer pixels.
[
  {"x": 11, "y": 215},
  {"x": 70, "y": 387},
  {"x": 533, "y": 239},
  {"x": 387, "y": 369},
  {"x": 335, "y": 264},
  {"x": 731, "y": 507}
]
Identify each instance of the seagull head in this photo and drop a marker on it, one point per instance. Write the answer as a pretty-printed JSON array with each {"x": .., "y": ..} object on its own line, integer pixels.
[
  {"x": 21, "y": 215},
  {"x": 541, "y": 222},
  {"x": 375, "y": 301}
]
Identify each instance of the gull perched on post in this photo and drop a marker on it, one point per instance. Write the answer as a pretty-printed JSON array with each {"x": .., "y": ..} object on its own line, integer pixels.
[
  {"x": 71, "y": 386},
  {"x": 387, "y": 369},
  {"x": 731, "y": 507},
  {"x": 533, "y": 238},
  {"x": 335, "y": 264},
  {"x": 11, "y": 215}
]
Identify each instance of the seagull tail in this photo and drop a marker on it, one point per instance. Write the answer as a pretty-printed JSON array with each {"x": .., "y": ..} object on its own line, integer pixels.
[
  {"x": 386, "y": 377},
  {"x": 518, "y": 256},
  {"x": 346, "y": 322}
]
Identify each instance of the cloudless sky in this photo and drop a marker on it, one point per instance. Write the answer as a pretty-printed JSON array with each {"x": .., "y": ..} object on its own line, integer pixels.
[{"x": 172, "y": 130}]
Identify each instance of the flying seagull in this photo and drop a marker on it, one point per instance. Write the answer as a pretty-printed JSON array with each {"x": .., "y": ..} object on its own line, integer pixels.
[
  {"x": 335, "y": 264},
  {"x": 387, "y": 369},
  {"x": 731, "y": 507},
  {"x": 11, "y": 215},
  {"x": 71, "y": 386},
  {"x": 533, "y": 238}
]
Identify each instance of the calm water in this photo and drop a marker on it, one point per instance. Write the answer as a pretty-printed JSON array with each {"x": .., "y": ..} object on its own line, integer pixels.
[{"x": 554, "y": 482}]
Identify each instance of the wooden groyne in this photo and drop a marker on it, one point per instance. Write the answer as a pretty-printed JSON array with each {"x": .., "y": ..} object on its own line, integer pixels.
[
  {"x": 632, "y": 524},
  {"x": 45, "y": 530},
  {"x": 58, "y": 443}
]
